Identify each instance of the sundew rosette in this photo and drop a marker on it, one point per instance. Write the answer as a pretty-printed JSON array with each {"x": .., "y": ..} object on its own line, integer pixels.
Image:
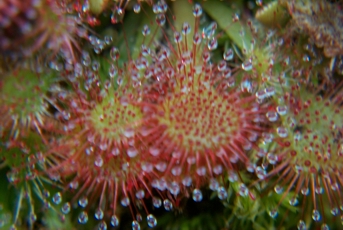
[
  {"x": 201, "y": 120},
  {"x": 38, "y": 26},
  {"x": 304, "y": 154},
  {"x": 25, "y": 100},
  {"x": 104, "y": 158}
]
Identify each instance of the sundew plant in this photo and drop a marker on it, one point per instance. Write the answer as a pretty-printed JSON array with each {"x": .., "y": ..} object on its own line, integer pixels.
[{"x": 171, "y": 114}]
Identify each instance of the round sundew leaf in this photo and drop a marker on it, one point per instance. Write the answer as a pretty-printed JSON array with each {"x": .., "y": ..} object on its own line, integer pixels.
[
  {"x": 306, "y": 153},
  {"x": 104, "y": 160}
]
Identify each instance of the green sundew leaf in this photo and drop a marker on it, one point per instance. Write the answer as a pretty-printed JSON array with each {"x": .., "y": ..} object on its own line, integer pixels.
[{"x": 223, "y": 15}]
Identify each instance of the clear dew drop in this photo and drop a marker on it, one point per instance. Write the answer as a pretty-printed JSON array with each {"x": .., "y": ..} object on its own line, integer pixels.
[
  {"x": 102, "y": 225},
  {"x": 146, "y": 30},
  {"x": 293, "y": 201},
  {"x": 57, "y": 198},
  {"x": 273, "y": 213},
  {"x": 197, "y": 195},
  {"x": 209, "y": 31},
  {"x": 324, "y": 227},
  {"x": 213, "y": 184},
  {"x": 247, "y": 65},
  {"x": 83, "y": 217},
  {"x": 212, "y": 44},
  {"x": 135, "y": 225},
  {"x": 222, "y": 66},
  {"x": 157, "y": 202},
  {"x": 132, "y": 152},
  {"x": 85, "y": 7},
  {"x": 137, "y": 8},
  {"x": 114, "y": 221},
  {"x": 97, "y": 49},
  {"x": 196, "y": 39},
  {"x": 168, "y": 206},
  {"x": 197, "y": 10},
  {"x": 243, "y": 190},
  {"x": 233, "y": 177},
  {"x": 186, "y": 28},
  {"x": 163, "y": 7},
  {"x": 305, "y": 191},
  {"x": 282, "y": 110},
  {"x": 161, "y": 166},
  {"x": 120, "y": 11},
  {"x": 260, "y": 172},
  {"x": 174, "y": 188},
  {"x": 201, "y": 171},
  {"x": 147, "y": 167},
  {"x": 278, "y": 189},
  {"x": 154, "y": 151},
  {"x": 74, "y": 185},
  {"x": 98, "y": 162},
  {"x": 272, "y": 159},
  {"x": 222, "y": 193},
  {"x": 301, "y": 225},
  {"x": 12, "y": 177},
  {"x": 334, "y": 211},
  {"x": 152, "y": 222},
  {"x": 218, "y": 169},
  {"x": 156, "y": 8},
  {"x": 177, "y": 37},
  {"x": 228, "y": 55},
  {"x": 315, "y": 215},
  {"x": 176, "y": 171},
  {"x": 108, "y": 39},
  {"x": 187, "y": 181},
  {"x": 65, "y": 208},
  {"x": 282, "y": 132},
  {"x": 83, "y": 201},
  {"x": 125, "y": 201},
  {"x": 161, "y": 19},
  {"x": 272, "y": 116},
  {"x": 319, "y": 190},
  {"x": 99, "y": 214},
  {"x": 114, "y": 53},
  {"x": 140, "y": 194}
]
